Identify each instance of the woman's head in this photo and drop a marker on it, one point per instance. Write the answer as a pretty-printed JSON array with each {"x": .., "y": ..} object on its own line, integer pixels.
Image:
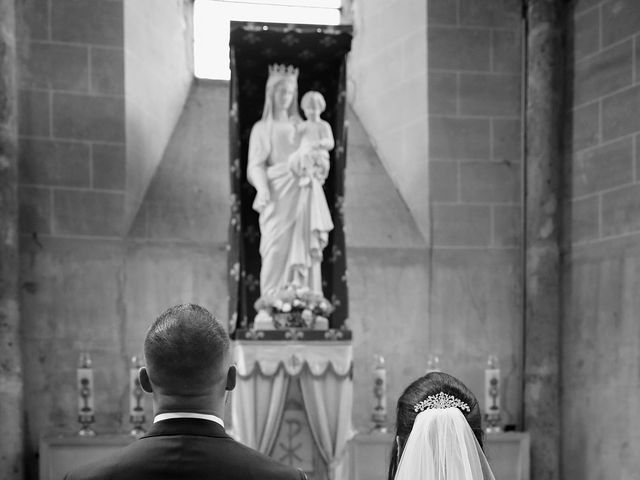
[
  {"x": 281, "y": 92},
  {"x": 429, "y": 385},
  {"x": 284, "y": 93}
]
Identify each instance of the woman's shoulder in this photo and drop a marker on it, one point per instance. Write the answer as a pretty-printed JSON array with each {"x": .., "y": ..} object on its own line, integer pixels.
[
  {"x": 259, "y": 125},
  {"x": 260, "y": 130}
]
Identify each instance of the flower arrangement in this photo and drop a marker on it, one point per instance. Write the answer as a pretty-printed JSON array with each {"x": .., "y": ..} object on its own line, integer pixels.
[{"x": 295, "y": 307}]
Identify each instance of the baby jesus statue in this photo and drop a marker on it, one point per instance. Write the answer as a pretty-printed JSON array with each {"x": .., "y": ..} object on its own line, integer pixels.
[{"x": 311, "y": 159}]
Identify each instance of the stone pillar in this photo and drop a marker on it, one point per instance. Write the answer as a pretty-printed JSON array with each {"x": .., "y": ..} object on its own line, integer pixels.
[
  {"x": 543, "y": 158},
  {"x": 11, "y": 383}
]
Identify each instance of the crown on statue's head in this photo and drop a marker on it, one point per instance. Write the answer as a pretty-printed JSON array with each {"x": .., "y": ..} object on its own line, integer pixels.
[{"x": 283, "y": 72}]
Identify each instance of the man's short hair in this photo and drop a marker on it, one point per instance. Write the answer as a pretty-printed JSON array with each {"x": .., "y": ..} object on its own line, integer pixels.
[{"x": 185, "y": 350}]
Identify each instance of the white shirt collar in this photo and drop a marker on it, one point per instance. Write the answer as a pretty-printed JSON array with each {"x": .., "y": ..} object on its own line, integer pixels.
[{"x": 202, "y": 416}]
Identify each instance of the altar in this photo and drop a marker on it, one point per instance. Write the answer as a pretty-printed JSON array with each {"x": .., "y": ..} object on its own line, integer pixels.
[
  {"x": 293, "y": 401},
  {"x": 507, "y": 452},
  {"x": 366, "y": 458}
]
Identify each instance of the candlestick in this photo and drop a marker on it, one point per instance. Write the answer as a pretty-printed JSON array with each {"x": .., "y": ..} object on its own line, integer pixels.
[
  {"x": 492, "y": 395},
  {"x": 136, "y": 410},
  {"x": 433, "y": 363},
  {"x": 379, "y": 414},
  {"x": 86, "y": 411}
]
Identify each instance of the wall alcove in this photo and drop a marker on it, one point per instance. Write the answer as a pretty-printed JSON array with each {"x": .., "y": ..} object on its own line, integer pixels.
[{"x": 320, "y": 54}]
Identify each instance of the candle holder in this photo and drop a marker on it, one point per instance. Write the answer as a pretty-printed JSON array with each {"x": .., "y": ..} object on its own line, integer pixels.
[
  {"x": 86, "y": 412},
  {"x": 136, "y": 410},
  {"x": 433, "y": 363},
  {"x": 492, "y": 395},
  {"x": 379, "y": 414}
]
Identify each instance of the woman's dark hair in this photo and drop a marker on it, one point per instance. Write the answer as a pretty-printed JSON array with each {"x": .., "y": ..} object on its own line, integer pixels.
[{"x": 431, "y": 384}]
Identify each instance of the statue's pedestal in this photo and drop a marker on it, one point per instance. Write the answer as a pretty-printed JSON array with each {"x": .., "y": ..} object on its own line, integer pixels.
[{"x": 293, "y": 400}]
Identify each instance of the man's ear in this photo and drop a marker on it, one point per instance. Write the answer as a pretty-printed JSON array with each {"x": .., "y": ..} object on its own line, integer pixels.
[
  {"x": 145, "y": 383},
  {"x": 231, "y": 378}
]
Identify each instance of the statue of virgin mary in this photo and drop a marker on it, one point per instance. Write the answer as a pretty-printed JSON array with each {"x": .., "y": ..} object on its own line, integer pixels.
[{"x": 294, "y": 216}]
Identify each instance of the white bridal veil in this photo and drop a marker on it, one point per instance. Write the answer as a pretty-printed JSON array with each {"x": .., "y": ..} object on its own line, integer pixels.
[{"x": 442, "y": 446}]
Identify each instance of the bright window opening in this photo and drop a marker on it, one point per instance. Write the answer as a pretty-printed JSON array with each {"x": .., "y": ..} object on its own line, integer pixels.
[{"x": 211, "y": 26}]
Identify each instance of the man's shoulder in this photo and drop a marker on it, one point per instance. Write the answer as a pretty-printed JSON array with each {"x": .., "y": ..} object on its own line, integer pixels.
[
  {"x": 123, "y": 463},
  {"x": 260, "y": 462},
  {"x": 97, "y": 469},
  {"x": 133, "y": 460}
]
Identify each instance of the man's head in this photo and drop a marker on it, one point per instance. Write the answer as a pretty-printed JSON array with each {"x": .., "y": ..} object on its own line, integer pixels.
[{"x": 187, "y": 353}]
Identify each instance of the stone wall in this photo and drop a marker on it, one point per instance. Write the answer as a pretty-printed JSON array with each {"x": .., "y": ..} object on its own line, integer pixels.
[
  {"x": 474, "y": 51},
  {"x": 72, "y": 119},
  {"x": 71, "y": 184},
  {"x": 79, "y": 275},
  {"x": 601, "y": 332},
  {"x": 460, "y": 174},
  {"x": 11, "y": 368},
  {"x": 158, "y": 73},
  {"x": 388, "y": 78},
  {"x": 387, "y": 275},
  {"x": 100, "y": 294}
]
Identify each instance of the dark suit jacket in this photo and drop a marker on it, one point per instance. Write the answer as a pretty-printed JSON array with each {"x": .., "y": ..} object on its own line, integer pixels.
[{"x": 186, "y": 448}]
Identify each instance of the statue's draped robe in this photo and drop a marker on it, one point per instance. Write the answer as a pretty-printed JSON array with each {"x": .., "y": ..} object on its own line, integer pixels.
[{"x": 295, "y": 224}]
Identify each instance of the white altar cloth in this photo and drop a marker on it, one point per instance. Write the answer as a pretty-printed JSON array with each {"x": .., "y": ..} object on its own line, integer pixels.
[{"x": 324, "y": 370}]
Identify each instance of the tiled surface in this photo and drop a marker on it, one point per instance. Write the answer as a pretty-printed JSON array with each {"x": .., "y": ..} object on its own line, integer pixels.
[
  {"x": 474, "y": 119},
  {"x": 602, "y": 148},
  {"x": 601, "y": 267},
  {"x": 72, "y": 118}
]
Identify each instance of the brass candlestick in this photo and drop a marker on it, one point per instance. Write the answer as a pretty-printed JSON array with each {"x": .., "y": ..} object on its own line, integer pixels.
[
  {"x": 433, "y": 363},
  {"x": 379, "y": 414},
  {"x": 136, "y": 410},
  {"x": 86, "y": 412},
  {"x": 492, "y": 395}
]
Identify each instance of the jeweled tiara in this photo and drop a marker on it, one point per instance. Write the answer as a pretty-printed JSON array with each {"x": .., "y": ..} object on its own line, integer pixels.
[{"x": 441, "y": 400}]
